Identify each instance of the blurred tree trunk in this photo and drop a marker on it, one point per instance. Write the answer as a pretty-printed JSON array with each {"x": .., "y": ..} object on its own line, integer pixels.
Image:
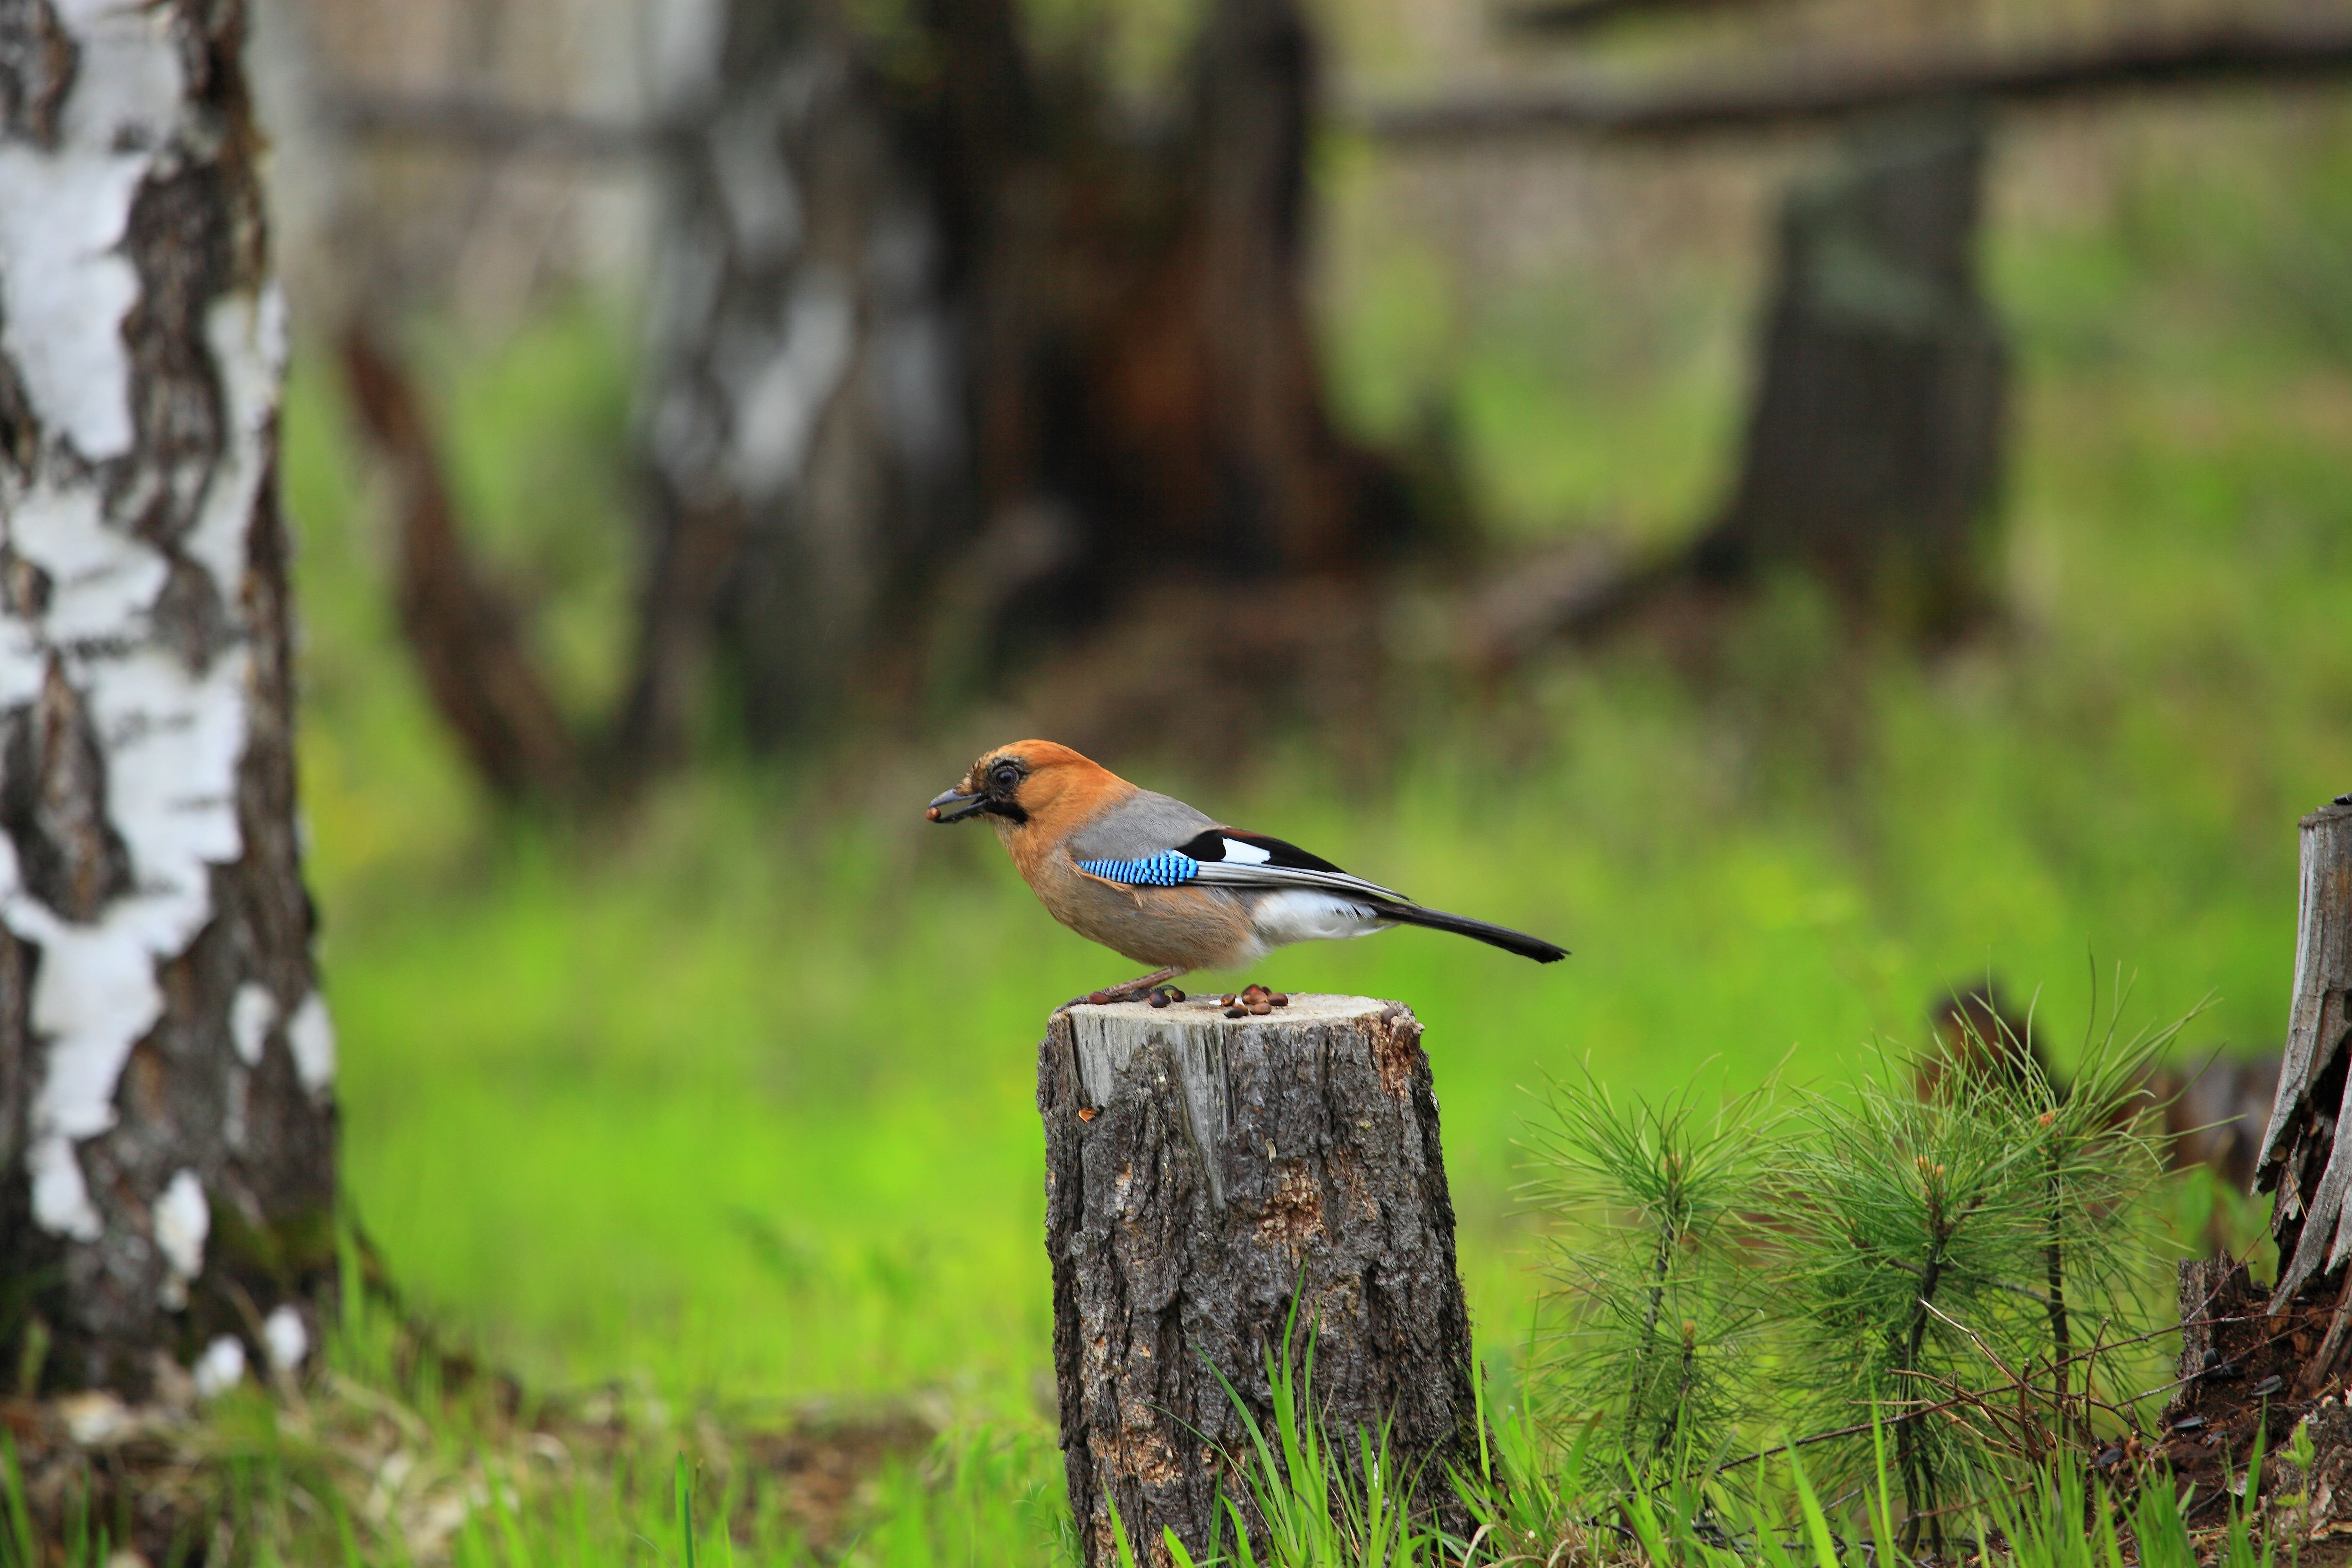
[
  {"x": 953, "y": 362},
  {"x": 802, "y": 423},
  {"x": 167, "y": 1134},
  {"x": 1872, "y": 458}
]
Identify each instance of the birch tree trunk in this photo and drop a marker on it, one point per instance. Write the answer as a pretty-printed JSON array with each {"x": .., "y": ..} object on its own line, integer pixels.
[{"x": 167, "y": 1134}]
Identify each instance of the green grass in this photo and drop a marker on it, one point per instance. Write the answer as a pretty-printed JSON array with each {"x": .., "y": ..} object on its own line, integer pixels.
[{"x": 736, "y": 1102}]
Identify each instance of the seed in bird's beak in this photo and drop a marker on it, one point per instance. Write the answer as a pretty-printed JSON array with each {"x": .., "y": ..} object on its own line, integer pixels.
[
  {"x": 1087, "y": 1113},
  {"x": 1237, "y": 1012}
]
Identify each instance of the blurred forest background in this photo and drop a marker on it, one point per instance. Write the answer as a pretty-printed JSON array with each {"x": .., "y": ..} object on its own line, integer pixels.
[{"x": 699, "y": 452}]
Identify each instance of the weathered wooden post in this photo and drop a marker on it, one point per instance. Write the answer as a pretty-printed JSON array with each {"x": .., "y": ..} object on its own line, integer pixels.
[{"x": 1204, "y": 1174}]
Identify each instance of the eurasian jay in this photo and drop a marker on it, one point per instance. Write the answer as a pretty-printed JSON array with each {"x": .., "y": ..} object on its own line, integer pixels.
[{"x": 1150, "y": 877}]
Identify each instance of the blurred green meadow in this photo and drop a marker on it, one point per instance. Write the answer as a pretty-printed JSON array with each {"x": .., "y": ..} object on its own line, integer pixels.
[{"x": 733, "y": 1100}]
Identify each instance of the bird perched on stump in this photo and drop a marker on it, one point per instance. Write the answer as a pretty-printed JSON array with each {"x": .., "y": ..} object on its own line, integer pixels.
[{"x": 1150, "y": 877}]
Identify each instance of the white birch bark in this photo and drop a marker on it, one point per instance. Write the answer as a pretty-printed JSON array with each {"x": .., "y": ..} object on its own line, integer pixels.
[{"x": 165, "y": 1060}]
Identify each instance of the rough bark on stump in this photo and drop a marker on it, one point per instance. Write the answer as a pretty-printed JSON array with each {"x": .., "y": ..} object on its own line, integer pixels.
[
  {"x": 1204, "y": 1177},
  {"x": 165, "y": 1057},
  {"x": 2238, "y": 1373}
]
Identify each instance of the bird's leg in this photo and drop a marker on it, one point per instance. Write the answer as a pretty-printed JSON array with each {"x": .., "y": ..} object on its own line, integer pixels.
[{"x": 1126, "y": 991}]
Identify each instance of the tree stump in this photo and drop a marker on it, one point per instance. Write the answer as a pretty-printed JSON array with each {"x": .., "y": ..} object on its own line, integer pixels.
[
  {"x": 1206, "y": 1177},
  {"x": 2302, "y": 1157},
  {"x": 2255, "y": 1360}
]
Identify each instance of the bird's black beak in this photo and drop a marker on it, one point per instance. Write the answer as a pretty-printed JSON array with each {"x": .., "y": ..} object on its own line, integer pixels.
[{"x": 954, "y": 807}]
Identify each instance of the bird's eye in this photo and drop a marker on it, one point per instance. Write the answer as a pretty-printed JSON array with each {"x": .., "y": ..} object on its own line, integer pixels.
[{"x": 1004, "y": 777}]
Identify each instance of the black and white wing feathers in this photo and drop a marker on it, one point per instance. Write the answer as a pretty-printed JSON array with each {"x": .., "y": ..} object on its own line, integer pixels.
[{"x": 1237, "y": 859}]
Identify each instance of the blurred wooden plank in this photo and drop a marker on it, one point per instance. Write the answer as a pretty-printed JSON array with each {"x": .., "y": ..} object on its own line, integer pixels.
[
  {"x": 1568, "y": 17},
  {"x": 2217, "y": 56},
  {"x": 486, "y": 125}
]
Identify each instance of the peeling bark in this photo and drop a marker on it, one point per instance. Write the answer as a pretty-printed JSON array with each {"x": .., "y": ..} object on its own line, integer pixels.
[
  {"x": 166, "y": 1062},
  {"x": 1206, "y": 1179}
]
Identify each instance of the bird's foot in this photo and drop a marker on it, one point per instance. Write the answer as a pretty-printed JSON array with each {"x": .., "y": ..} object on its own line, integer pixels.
[
  {"x": 1153, "y": 983},
  {"x": 1252, "y": 1000}
]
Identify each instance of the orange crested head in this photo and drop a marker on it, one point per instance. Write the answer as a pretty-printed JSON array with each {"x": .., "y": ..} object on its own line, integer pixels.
[{"x": 1025, "y": 784}]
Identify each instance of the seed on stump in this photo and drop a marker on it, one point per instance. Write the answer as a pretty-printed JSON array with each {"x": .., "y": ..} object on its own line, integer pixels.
[{"x": 1237, "y": 1012}]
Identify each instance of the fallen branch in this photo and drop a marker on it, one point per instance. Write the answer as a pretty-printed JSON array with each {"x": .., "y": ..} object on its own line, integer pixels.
[{"x": 481, "y": 677}]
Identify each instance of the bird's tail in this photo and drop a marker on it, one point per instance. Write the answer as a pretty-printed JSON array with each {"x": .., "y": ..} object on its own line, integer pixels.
[{"x": 1509, "y": 941}]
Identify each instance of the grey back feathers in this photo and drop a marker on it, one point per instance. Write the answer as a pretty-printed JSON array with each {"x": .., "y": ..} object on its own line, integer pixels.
[
  {"x": 1147, "y": 824},
  {"x": 1138, "y": 827}
]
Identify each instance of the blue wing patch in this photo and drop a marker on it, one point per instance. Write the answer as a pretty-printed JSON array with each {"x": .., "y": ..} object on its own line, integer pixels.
[{"x": 1165, "y": 869}]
